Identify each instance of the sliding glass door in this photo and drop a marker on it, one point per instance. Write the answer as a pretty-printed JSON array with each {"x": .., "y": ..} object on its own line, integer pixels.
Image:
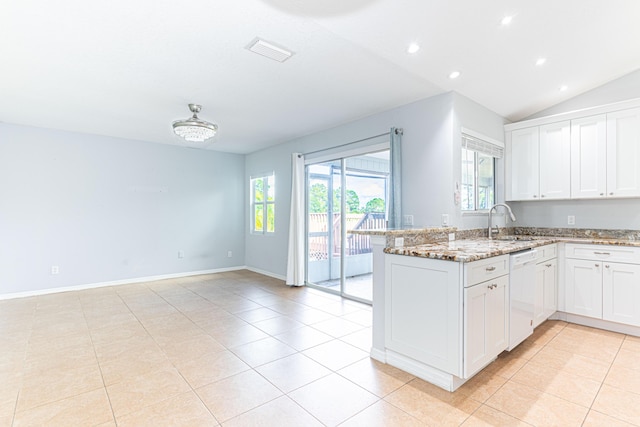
[{"x": 343, "y": 195}]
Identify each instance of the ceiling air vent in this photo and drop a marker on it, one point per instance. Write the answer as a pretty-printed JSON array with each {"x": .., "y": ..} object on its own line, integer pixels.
[{"x": 269, "y": 50}]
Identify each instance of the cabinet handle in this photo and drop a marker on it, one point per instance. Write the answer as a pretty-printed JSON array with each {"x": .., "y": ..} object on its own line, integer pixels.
[
  {"x": 597, "y": 265},
  {"x": 490, "y": 268},
  {"x": 547, "y": 265},
  {"x": 492, "y": 286},
  {"x": 602, "y": 194},
  {"x": 535, "y": 196},
  {"x": 542, "y": 195},
  {"x": 611, "y": 194},
  {"x": 602, "y": 253},
  {"x": 606, "y": 266}
]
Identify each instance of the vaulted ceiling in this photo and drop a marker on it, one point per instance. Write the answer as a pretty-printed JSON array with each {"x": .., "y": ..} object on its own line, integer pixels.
[{"x": 129, "y": 68}]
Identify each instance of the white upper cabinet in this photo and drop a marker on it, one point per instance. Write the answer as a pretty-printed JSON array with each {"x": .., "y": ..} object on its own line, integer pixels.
[
  {"x": 555, "y": 161},
  {"x": 589, "y": 157},
  {"x": 623, "y": 153},
  {"x": 538, "y": 165},
  {"x": 585, "y": 154},
  {"x": 522, "y": 164}
]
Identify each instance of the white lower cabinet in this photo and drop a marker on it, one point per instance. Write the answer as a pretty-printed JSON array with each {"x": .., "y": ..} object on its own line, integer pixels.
[
  {"x": 446, "y": 315},
  {"x": 621, "y": 293},
  {"x": 486, "y": 323},
  {"x": 546, "y": 293},
  {"x": 422, "y": 311},
  {"x": 545, "y": 300},
  {"x": 598, "y": 285},
  {"x": 583, "y": 287}
]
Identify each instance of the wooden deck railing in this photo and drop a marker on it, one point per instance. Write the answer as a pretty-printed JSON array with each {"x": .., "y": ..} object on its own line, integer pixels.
[{"x": 356, "y": 244}]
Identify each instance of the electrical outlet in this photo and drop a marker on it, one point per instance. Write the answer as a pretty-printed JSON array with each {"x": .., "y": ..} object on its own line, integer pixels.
[
  {"x": 180, "y": 254},
  {"x": 571, "y": 220},
  {"x": 399, "y": 242},
  {"x": 407, "y": 219},
  {"x": 445, "y": 220},
  {"x": 55, "y": 269},
  {"x": 229, "y": 254}
]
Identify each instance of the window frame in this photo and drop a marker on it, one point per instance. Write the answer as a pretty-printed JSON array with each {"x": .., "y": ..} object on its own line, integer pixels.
[
  {"x": 475, "y": 184},
  {"x": 267, "y": 204},
  {"x": 479, "y": 145}
]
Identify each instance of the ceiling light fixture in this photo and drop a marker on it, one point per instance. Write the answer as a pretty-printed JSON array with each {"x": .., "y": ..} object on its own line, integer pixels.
[
  {"x": 506, "y": 20},
  {"x": 413, "y": 48},
  {"x": 269, "y": 50},
  {"x": 541, "y": 61},
  {"x": 563, "y": 88},
  {"x": 454, "y": 75},
  {"x": 193, "y": 129}
]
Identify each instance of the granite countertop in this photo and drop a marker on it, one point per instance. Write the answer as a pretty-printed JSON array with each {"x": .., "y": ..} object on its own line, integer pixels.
[{"x": 468, "y": 250}]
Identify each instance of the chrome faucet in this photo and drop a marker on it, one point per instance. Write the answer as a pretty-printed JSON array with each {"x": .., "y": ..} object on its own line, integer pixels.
[{"x": 490, "y": 230}]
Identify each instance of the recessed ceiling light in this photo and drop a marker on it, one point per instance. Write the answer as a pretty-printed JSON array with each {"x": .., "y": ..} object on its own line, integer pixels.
[
  {"x": 563, "y": 88},
  {"x": 506, "y": 20},
  {"x": 541, "y": 61},
  {"x": 454, "y": 75},
  {"x": 413, "y": 48}
]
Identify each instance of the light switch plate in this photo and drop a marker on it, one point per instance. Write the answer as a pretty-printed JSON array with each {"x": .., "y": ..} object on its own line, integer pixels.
[{"x": 571, "y": 220}]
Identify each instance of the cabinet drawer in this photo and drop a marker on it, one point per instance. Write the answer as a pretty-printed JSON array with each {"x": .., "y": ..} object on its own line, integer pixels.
[
  {"x": 547, "y": 252},
  {"x": 611, "y": 253},
  {"x": 486, "y": 269}
]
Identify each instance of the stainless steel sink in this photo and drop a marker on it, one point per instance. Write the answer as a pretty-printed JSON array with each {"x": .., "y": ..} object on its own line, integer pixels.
[{"x": 515, "y": 238}]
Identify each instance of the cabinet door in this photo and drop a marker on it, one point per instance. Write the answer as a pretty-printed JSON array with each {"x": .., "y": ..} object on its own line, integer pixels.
[
  {"x": 523, "y": 165},
  {"x": 621, "y": 293},
  {"x": 589, "y": 157},
  {"x": 550, "y": 299},
  {"x": 623, "y": 153},
  {"x": 486, "y": 323},
  {"x": 538, "y": 296},
  {"x": 555, "y": 161},
  {"x": 583, "y": 287}
]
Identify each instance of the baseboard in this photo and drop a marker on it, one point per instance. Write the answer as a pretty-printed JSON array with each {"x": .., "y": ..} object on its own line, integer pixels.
[
  {"x": 421, "y": 370},
  {"x": 379, "y": 355},
  {"x": 265, "y": 273},
  {"x": 119, "y": 282},
  {"x": 600, "y": 324}
]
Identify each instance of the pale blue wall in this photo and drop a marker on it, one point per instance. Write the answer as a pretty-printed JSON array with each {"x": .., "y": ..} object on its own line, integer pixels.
[
  {"x": 473, "y": 116},
  {"x": 430, "y": 160},
  {"x": 107, "y": 209}
]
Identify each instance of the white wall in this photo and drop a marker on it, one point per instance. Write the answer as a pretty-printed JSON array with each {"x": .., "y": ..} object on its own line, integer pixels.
[
  {"x": 430, "y": 162},
  {"x": 608, "y": 214},
  {"x": 106, "y": 209},
  {"x": 621, "y": 89}
]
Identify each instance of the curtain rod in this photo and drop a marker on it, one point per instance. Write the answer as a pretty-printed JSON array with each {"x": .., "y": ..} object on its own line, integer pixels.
[{"x": 398, "y": 132}]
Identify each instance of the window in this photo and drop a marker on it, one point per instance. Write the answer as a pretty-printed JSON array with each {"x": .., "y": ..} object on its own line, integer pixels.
[
  {"x": 263, "y": 204},
  {"x": 478, "y": 172}
]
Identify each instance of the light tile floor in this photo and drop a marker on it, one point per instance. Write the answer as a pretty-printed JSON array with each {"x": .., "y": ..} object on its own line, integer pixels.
[{"x": 241, "y": 349}]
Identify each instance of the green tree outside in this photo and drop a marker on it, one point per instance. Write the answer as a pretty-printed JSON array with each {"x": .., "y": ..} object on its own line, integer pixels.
[{"x": 374, "y": 205}]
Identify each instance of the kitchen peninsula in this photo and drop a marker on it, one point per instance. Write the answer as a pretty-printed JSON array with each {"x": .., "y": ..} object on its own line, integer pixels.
[{"x": 441, "y": 307}]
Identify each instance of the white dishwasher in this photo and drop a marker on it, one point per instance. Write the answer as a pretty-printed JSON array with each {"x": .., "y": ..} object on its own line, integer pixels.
[{"x": 522, "y": 280}]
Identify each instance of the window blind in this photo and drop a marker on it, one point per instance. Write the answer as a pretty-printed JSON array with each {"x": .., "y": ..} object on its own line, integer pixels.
[{"x": 484, "y": 146}]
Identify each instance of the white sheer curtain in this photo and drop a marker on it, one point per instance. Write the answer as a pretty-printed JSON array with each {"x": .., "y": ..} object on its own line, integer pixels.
[{"x": 296, "y": 259}]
